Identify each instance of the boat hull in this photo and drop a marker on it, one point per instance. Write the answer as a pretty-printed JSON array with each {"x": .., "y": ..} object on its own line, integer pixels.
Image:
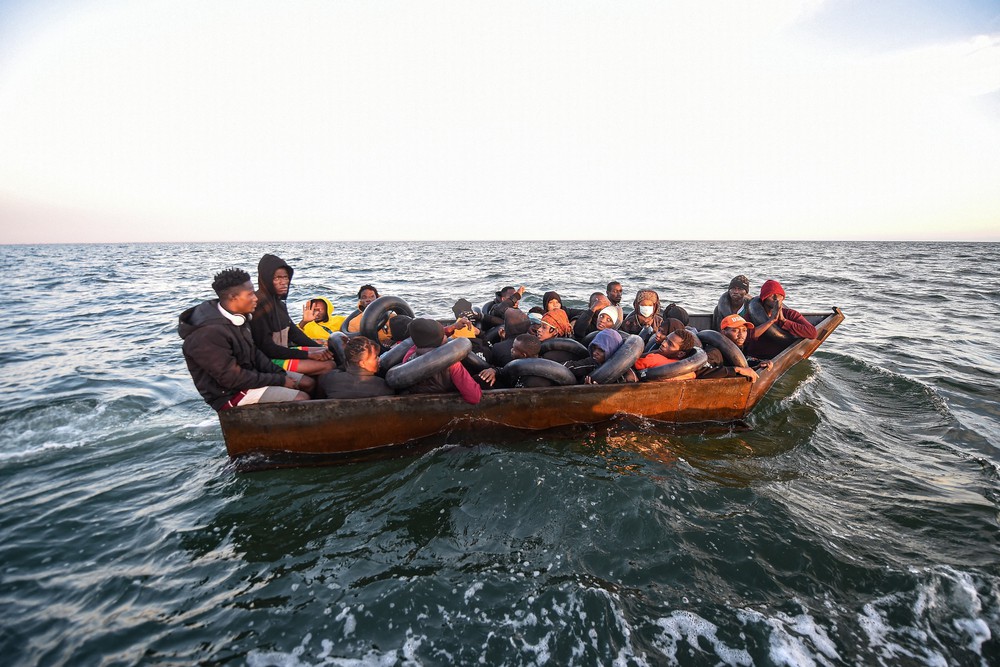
[{"x": 345, "y": 428}]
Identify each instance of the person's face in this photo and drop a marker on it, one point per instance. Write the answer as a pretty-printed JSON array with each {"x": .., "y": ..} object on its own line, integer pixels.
[
  {"x": 736, "y": 334},
  {"x": 604, "y": 322},
  {"x": 545, "y": 331},
  {"x": 518, "y": 352},
  {"x": 281, "y": 280},
  {"x": 772, "y": 302},
  {"x": 319, "y": 310},
  {"x": 597, "y": 354},
  {"x": 671, "y": 346},
  {"x": 244, "y": 301},
  {"x": 737, "y": 294},
  {"x": 552, "y": 305},
  {"x": 615, "y": 294},
  {"x": 367, "y": 296}
]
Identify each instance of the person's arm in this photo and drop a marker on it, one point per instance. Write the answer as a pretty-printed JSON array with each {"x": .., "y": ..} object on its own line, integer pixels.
[
  {"x": 298, "y": 337},
  {"x": 469, "y": 389},
  {"x": 797, "y": 325},
  {"x": 581, "y": 327},
  {"x": 213, "y": 352},
  {"x": 262, "y": 339}
]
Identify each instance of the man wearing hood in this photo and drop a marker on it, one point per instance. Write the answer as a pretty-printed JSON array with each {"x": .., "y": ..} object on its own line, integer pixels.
[
  {"x": 318, "y": 320},
  {"x": 645, "y": 312},
  {"x": 225, "y": 365},
  {"x": 273, "y": 330},
  {"x": 772, "y": 297}
]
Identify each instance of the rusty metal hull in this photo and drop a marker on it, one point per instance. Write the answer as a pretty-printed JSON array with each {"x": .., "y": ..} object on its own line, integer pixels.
[{"x": 359, "y": 426}]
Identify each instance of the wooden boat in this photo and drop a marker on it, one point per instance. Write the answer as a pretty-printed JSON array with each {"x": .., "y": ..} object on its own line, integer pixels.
[{"x": 325, "y": 430}]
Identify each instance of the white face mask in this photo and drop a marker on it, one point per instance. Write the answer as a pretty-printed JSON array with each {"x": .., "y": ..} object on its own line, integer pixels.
[{"x": 645, "y": 311}]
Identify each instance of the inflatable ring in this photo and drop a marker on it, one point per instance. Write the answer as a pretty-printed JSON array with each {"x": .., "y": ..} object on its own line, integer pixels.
[
  {"x": 475, "y": 364},
  {"x": 569, "y": 345},
  {"x": 620, "y": 361},
  {"x": 759, "y": 316},
  {"x": 336, "y": 343},
  {"x": 645, "y": 333},
  {"x": 420, "y": 368},
  {"x": 589, "y": 338},
  {"x": 345, "y": 325},
  {"x": 543, "y": 368},
  {"x": 393, "y": 356},
  {"x": 377, "y": 314},
  {"x": 667, "y": 371},
  {"x": 697, "y": 341},
  {"x": 730, "y": 351}
]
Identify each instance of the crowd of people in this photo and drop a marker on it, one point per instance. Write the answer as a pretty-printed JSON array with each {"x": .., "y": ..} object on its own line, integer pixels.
[{"x": 244, "y": 348}]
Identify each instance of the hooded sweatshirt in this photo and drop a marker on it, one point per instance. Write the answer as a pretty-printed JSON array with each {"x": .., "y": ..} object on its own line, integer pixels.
[
  {"x": 221, "y": 355},
  {"x": 635, "y": 322},
  {"x": 322, "y": 330},
  {"x": 273, "y": 329}
]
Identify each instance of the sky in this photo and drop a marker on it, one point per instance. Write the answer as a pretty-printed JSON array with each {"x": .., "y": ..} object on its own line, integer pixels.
[{"x": 567, "y": 119}]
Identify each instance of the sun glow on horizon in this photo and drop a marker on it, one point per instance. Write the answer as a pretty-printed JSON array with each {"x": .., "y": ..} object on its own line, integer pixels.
[{"x": 309, "y": 120}]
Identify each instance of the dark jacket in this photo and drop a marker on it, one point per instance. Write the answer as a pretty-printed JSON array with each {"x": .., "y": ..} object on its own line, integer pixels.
[
  {"x": 221, "y": 356},
  {"x": 353, "y": 382},
  {"x": 271, "y": 320}
]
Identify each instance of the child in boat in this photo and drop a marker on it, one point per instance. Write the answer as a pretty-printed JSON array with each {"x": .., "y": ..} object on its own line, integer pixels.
[{"x": 602, "y": 348}]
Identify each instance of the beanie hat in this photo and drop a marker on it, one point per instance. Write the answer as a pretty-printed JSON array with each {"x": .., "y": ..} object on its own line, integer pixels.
[
  {"x": 426, "y": 332},
  {"x": 740, "y": 281},
  {"x": 611, "y": 312},
  {"x": 398, "y": 327},
  {"x": 769, "y": 288}
]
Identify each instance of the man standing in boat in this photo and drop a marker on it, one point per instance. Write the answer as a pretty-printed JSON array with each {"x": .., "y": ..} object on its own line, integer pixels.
[{"x": 225, "y": 365}]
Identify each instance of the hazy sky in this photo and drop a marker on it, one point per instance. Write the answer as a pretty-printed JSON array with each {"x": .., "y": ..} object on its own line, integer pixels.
[{"x": 199, "y": 121}]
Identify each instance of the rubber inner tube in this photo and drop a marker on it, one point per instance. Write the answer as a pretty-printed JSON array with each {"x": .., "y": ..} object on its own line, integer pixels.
[
  {"x": 589, "y": 338},
  {"x": 393, "y": 356},
  {"x": 475, "y": 364},
  {"x": 426, "y": 365},
  {"x": 645, "y": 333},
  {"x": 620, "y": 361},
  {"x": 569, "y": 345},
  {"x": 336, "y": 343},
  {"x": 347, "y": 320},
  {"x": 758, "y": 315},
  {"x": 730, "y": 351},
  {"x": 667, "y": 371},
  {"x": 543, "y": 368},
  {"x": 377, "y": 314}
]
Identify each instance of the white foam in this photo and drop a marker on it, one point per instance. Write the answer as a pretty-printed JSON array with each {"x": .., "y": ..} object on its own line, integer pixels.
[
  {"x": 472, "y": 590},
  {"x": 689, "y": 627}
]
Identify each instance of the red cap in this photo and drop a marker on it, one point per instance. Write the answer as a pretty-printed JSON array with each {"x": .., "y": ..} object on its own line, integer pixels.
[
  {"x": 734, "y": 321},
  {"x": 771, "y": 287}
]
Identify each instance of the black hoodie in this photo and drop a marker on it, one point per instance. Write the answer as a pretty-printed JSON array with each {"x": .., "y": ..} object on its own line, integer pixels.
[
  {"x": 272, "y": 327},
  {"x": 221, "y": 356}
]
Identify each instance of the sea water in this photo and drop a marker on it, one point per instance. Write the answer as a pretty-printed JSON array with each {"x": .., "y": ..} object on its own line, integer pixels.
[{"x": 852, "y": 519}]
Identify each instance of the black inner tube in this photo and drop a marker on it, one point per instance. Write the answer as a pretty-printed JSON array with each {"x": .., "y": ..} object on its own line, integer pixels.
[
  {"x": 376, "y": 314},
  {"x": 730, "y": 351},
  {"x": 758, "y": 315},
  {"x": 536, "y": 367},
  {"x": 620, "y": 361},
  {"x": 426, "y": 365},
  {"x": 570, "y": 345},
  {"x": 393, "y": 356},
  {"x": 667, "y": 371},
  {"x": 336, "y": 343}
]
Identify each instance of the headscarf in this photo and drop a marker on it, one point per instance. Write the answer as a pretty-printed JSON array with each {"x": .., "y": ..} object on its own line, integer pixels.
[
  {"x": 548, "y": 296},
  {"x": 558, "y": 319}
]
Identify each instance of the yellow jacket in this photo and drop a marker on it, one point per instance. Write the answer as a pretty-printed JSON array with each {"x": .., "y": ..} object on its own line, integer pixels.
[{"x": 322, "y": 330}]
